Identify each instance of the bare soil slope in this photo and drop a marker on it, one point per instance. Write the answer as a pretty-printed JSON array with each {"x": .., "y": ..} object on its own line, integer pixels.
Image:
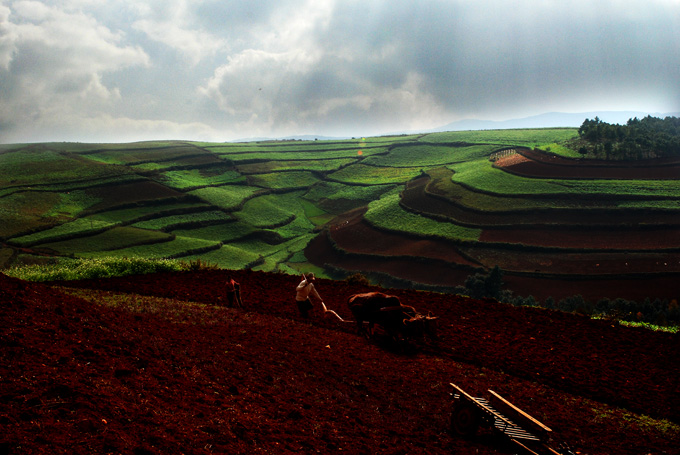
[{"x": 77, "y": 377}]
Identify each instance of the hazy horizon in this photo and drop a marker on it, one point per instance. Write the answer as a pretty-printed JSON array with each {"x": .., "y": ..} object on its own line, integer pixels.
[{"x": 119, "y": 71}]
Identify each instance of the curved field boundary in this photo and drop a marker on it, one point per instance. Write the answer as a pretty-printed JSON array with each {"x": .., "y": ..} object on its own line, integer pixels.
[
  {"x": 357, "y": 236},
  {"x": 419, "y": 198},
  {"x": 175, "y": 248},
  {"x": 361, "y": 174},
  {"x": 559, "y": 160},
  {"x": 321, "y": 252},
  {"x": 324, "y": 165},
  {"x": 113, "y": 239},
  {"x": 533, "y": 164},
  {"x": 130, "y": 193},
  {"x": 485, "y": 178},
  {"x": 387, "y": 215},
  {"x": 631, "y": 239}
]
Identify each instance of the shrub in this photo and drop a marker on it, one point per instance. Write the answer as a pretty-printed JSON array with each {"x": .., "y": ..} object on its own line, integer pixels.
[
  {"x": 357, "y": 279},
  {"x": 81, "y": 269}
]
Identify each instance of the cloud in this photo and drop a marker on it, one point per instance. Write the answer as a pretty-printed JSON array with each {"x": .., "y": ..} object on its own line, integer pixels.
[
  {"x": 54, "y": 62},
  {"x": 281, "y": 67},
  {"x": 175, "y": 29}
]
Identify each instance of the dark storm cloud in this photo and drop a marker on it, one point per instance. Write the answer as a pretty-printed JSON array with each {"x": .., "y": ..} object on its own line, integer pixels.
[{"x": 225, "y": 69}]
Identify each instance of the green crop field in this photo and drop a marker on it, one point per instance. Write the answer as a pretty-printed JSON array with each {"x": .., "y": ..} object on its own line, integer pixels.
[
  {"x": 265, "y": 167},
  {"x": 177, "y": 247},
  {"x": 175, "y": 221},
  {"x": 202, "y": 177},
  {"x": 519, "y": 137},
  {"x": 387, "y": 214},
  {"x": 113, "y": 239},
  {"x": 429, "y": 155},
  {"x": 260, "y": 204},
  {"x": 271, "y": 210},
  {"x": 281, "y": 180},
  {"x": 484, "y": 177},
  {"x": 362, "y": 174},
  {"x": 225, "y": 232},
  {"x": 227, "y": 197},
  {"x": 77, "y": 227}
]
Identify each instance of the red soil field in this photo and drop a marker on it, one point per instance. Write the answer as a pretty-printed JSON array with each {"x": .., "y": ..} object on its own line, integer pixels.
[
  {"x": 533, "y": 163},
  {"x": 591, "y": 238},
  {"x": 78, "y": 377}
]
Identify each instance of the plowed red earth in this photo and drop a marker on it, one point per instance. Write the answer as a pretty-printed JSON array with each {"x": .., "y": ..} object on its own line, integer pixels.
[
  {"x": 79, "y": 377},
  {"x": 531, "y": 163}
]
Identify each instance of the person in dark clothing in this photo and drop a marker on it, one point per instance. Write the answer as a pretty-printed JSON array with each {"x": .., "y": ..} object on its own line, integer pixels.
[{"x": 233, "y": 292}]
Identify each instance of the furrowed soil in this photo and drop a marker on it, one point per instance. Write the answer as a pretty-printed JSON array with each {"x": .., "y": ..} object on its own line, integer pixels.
[{"x": 172, "y": 370}]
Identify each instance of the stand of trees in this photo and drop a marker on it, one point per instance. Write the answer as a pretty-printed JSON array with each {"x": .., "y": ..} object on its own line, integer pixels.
[{"x": 650, "y": 137}]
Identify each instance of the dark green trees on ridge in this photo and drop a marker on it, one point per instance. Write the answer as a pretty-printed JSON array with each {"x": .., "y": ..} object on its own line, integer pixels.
[{"x": 649, "y": 137}]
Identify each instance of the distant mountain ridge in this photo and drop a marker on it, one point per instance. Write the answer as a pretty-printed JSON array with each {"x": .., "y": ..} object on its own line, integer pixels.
[{"x": 548, "y": 120}]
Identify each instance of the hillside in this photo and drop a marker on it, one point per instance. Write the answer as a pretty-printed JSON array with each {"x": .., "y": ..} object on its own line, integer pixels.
[
  {"x": 148, "y": 364},
  {"x": 455, "y": 203}
]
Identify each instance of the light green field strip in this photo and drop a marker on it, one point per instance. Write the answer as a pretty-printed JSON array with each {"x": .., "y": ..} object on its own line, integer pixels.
[
  {"x": 387, "y": 214},
  {"x": 302, "y": 155},
  {"x": 227, "y": 257},
  {"x": 271, "y": 210},
  {"x": 178, "y": 247},
  {"x": 227, "y": 197},
  {"x": 190, "y": 160},
  {"x": 112, "y": 239},
  {"x": 307, "y": 165},
  {"x": 524, "y": 137},
  {"x": 128, "y": 156},
  {"x": 25, "y": 168},
  {"x": 282, "y": 180},
  {"x": 371, "y": 175},
  {"x": 301, "y": 225},
  {"x": 484, "y": 177},
  {"x": 167, "y": 222},
  {"x": 489, "y": 202},
  {"x": 192, "y": 178},
  {"x": 78, "y": 227},
  {"x": 99, "y": 267},
  {"x": 276, "y": 256},
  {"x": 50, "y": 205},
  {"x": 337, "y": 190},
  {"x": 226, "y": 232},
  {"x": 429, "y": 155},
  {"x": 71, "y": 185},
  {"x": 130, "y": 146},
  {"x": 147, "y": 211},
  {"x": 308, "y": 147}
]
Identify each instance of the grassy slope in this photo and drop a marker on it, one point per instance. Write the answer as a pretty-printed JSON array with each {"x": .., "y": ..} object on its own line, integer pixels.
[{"x": 328, "y": 177}]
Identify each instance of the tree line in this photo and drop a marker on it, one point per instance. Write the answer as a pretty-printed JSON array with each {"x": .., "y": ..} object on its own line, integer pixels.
[{"x": 649, "y": 137}]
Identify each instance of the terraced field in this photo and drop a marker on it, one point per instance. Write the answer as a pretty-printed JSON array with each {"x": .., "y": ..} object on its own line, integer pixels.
[{"x": 422, "y": 211}]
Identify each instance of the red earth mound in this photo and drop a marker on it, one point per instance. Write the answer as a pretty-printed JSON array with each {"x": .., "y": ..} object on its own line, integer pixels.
[{"x": 78, "y": 377}]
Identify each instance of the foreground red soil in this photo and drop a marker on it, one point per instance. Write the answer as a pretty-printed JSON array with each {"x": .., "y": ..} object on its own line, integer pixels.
[{"x": 79, "y": 377}]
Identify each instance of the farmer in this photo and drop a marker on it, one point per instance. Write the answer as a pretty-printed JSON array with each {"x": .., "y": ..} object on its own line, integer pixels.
[
  {"x": 302, "y": 292},
  {"x": 233, "y": 292}
]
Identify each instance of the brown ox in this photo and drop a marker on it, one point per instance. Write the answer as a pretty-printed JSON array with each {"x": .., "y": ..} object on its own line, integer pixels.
[{"x": 388, "y": 312}]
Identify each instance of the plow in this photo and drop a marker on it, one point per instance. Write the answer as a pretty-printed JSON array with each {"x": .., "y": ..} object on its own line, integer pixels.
[{"x": 506, "y": 420}]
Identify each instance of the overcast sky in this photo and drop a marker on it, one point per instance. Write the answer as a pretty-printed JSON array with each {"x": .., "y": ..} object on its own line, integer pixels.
[{"x": 124, "y": 70}]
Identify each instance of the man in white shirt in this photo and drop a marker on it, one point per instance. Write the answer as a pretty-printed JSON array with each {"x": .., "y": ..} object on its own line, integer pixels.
[{"x": 302, "y": 292}]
